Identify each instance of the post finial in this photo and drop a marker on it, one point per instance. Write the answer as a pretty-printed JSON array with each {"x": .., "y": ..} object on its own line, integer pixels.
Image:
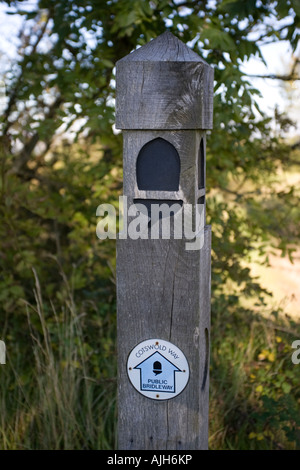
[{"x": 164, "y": 85}]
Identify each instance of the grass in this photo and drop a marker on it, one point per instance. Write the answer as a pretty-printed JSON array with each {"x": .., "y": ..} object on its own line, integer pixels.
[
  {"x": 62, "y": 394},
  {"x": 60, "y": 401},
  {"x": 254, "y": 392}
]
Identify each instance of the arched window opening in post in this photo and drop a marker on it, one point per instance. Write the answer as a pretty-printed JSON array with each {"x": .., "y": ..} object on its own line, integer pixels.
[
  {"x": 201, "y": 166},
  {"x": 158, "y": 166}
]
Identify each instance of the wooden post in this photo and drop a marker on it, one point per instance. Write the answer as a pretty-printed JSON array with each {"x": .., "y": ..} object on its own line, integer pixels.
[{"x": 164, "y": 107}]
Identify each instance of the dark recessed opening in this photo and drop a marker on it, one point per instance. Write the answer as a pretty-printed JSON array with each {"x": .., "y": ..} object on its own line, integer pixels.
[
  {"x": 205, "y": 372},
  {"x": 201, "y": 166},
  {"x": 158, "y": 166},
  {"x": 201, "y": 200},
  {"x": 160, "y": 211},
  {"x": 169, "y": 202}
]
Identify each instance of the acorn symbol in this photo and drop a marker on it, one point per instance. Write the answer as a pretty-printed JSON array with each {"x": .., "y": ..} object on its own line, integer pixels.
[{"x": 157, "y": 369}]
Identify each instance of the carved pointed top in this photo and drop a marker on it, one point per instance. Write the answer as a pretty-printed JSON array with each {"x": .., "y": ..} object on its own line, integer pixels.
[
  {"x": 164, "y": 48},
  {"x": 164, "y": 85}
]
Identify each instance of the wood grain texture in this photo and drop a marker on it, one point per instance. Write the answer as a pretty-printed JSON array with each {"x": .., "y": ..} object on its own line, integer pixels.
[
  {"x": 164, "y": 292},
  {"x": 164, "y": 85},
  {"x": 164, "y": 90},
  {"x": 165, "y": 48}
]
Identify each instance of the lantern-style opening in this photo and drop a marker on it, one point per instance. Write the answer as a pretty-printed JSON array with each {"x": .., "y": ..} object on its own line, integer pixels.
[{"x": 158, "y": 166}]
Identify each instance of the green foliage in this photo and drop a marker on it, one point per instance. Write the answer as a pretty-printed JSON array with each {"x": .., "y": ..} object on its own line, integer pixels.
[
  {"x": 255, "y": 396},
  {"x": 66, "y": 397},
  {"x": 51, "y": 184}
]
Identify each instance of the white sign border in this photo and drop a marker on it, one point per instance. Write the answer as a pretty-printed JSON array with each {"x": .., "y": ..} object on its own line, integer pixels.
[{"x": 138, "y": 355}]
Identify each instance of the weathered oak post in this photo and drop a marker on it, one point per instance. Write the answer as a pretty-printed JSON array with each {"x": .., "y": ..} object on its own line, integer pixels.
[{"x": 164, "y": 107}]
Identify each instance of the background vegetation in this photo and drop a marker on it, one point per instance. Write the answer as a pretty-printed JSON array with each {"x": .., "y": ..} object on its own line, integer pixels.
[{"x": 60, "y": 159}]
